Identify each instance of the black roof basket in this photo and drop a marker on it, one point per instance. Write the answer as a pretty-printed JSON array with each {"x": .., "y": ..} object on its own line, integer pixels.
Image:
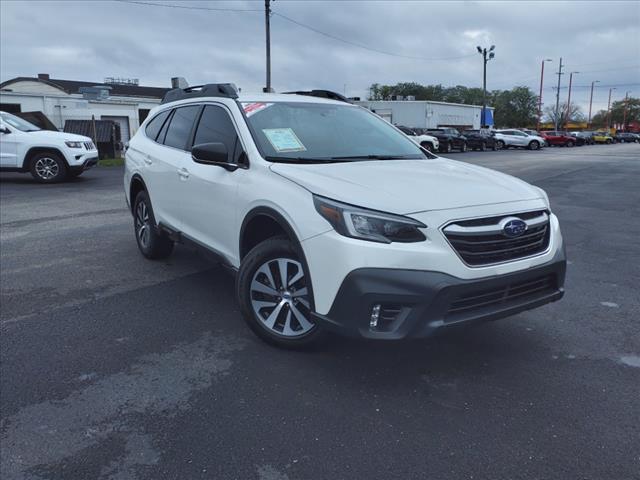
[
  {"x": 227, "y": 90},
  {"x": 322, "y": 94}
]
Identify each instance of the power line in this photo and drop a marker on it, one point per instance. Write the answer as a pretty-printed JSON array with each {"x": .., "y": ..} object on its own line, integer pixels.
[
  {"x": 188, "y": 7},
  {"x": 360, "y": 45}
]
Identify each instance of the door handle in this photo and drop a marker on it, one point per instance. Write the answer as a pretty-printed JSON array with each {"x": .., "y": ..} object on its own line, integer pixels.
[
  {"x": 147, "y": 159},
  {"x": 183, "y": 173}
]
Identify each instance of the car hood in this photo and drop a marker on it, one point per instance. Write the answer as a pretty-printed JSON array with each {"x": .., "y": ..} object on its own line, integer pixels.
[
  {"x": 59, "y": 136},
  {"x": 408, "y": 186}
]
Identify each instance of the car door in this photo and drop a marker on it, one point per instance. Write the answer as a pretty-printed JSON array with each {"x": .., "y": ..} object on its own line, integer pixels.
[
  {"x": 165, "y": 163},
  {"x": 208, "y": 192},
  {"x": 8, "y": 147}
]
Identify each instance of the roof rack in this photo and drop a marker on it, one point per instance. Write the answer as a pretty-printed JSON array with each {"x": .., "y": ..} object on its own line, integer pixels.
[
  {"x": 322, "y": 94},
  {"x": 227, "y": 90}
]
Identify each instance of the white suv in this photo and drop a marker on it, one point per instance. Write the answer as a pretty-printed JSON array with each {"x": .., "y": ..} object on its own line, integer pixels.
[
  {"x": 518, "y": 138},
  {"x": 427, "y": 142},
  {"x": 49, "y": 156},
  {"x": 335, "y": 220}
]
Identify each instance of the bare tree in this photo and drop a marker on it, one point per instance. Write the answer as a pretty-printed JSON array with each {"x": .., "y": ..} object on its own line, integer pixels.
[{"x": 565, "y": 115}]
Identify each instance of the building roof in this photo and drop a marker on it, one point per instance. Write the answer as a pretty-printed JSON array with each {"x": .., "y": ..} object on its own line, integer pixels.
[{"x": 73, "y": 86}]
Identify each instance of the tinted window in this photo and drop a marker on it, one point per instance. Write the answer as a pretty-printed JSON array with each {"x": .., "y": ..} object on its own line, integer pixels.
[
  {"x": 154, "y": 126},
  {"x": 180, "y": 127},
  {"x": 216, "y": 127}
]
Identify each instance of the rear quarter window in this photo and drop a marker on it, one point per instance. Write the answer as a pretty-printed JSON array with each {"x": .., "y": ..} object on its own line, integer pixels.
[{"x": 153, "y": 127}]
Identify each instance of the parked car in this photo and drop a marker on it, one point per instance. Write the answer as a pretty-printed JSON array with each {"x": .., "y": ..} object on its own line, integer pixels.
[
  {"x": 626, "y": 137},
  {"x": 49, "y": 156},
  {"x": 560, "y": 139},
  {"x": 334, "y": 220},
  {"x": 449, "y": 138},
  {"x": 518, "y": 139},
  {"x": 602, "y": 137},
  {"x": 480, "y": 140},
  {"x": 425, "y": 141},
  {"x": 587, "y": 137}
]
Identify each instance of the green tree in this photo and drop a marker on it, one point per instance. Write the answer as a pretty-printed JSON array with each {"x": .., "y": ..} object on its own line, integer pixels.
[
  {"x": 514, "y": 108},
  {"x": 599, "y": 120}
]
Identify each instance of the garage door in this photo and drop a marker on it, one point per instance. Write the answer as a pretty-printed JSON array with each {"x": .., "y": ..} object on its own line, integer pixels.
[{"x": 124, "y": 126}]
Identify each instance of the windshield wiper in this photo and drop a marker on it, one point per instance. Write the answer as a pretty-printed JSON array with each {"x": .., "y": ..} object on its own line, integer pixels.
[
  {"x": 377, "y": 157},
  {"x": 306, "y": 159}
]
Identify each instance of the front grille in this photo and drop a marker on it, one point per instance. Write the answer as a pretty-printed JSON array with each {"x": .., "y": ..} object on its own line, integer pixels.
[
  {"x": 504, "y": 295},
  {"x": 89, "y": 145},
  {"x": 483, "y": 241}
]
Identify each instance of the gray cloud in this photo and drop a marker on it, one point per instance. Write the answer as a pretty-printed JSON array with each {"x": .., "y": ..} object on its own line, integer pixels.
[{"x": 95, "y": 39}]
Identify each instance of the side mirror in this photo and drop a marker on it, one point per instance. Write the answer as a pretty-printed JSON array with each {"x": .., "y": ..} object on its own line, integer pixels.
[
  {"x": 212, "y": 154},
  {"x": 4, "y": 130}
]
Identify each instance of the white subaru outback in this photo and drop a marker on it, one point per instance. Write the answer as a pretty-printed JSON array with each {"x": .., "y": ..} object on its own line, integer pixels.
[
  {"x": 335, "y": 220},
  {"x": 49, "y": 156}
]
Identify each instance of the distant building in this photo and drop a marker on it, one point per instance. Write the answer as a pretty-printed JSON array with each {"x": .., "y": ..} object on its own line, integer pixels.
[
  {"x": 428, "y": 114},
  {"x": 122, "y": 101}
]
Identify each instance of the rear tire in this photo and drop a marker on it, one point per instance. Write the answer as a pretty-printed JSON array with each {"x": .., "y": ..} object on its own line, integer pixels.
[
  {"x": 274, "y": 293},
  {"x": 448, "y": 147},
  {"x": 609, "y": 142},
  {"x": 152, "y": 243},
  {"x": 483, "y": 147},
  {"x": 463, "y": 148},
  {"x": 48, "y": 168},
  {"x": 500, "y": 144},
  {"x": 569, "y": 144}
]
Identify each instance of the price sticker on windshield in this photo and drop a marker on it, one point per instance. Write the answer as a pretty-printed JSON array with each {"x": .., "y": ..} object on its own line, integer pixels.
[{"x": 284, "y": 140}]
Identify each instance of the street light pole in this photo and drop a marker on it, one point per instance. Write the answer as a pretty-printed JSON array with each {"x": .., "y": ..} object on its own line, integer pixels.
[
  {"x": 569, "y": 98},
  {"x": 486, "y": 56},
  {"x": 558, "y": 95},
  {"x": 540, "y": 96},
  {"x": 591, "y": 102},
  {"x": 267, "y": 15},
  {"x": 609, "y": 109}
]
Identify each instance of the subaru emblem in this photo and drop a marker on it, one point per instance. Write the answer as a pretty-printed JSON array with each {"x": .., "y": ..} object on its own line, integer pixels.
[{"x": 514, "y": 227}]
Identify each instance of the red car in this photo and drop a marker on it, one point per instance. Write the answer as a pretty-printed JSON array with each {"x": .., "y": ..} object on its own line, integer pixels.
[{"x": 559, "y": 138}]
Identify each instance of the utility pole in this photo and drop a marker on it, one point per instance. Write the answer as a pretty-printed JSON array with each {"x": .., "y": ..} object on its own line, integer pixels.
[
  {"x": 540, "y": 96},
  {"x": 267, "y": 28},
  {"x": 624, "y": 116},
  {"x": 609, "y": 110},
  {"x": 569, "y": 98},
  {"x": 486, "y": 56},
  {"x": 591, "y": 102},
  {"x": 558, "y": 95}
]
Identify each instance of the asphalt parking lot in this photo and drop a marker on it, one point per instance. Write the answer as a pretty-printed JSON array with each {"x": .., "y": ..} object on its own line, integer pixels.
[{"x": 115, "y": 367}]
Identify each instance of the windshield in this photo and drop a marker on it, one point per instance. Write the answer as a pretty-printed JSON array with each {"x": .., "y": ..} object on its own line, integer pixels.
[
  {"x": 17, "y": 122},
  {"x": 317, "y": 132}
]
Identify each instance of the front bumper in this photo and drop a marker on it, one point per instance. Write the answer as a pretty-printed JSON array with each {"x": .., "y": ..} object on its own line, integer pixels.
[
  {"x": 87, "y": 163},
  {"x": 416, "y": 304}
]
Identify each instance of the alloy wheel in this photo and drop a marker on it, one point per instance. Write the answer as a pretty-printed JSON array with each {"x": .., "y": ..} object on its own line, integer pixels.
[
  {"x": 47, "y": 168},
  {"x": 143, "y": 225},
  {"x": 280, "y": 297}
]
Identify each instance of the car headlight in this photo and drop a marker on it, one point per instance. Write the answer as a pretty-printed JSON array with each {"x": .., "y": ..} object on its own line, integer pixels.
[
  {"x": 74, "y": 144},
  {"x": 371, "y": 225}
]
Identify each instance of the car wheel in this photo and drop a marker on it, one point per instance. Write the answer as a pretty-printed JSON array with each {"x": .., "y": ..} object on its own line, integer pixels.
[
  {"x": 500, "y": 144},
  {"x": 427, "y": 146},
  {"x": 446, "y": 147},
  {"x": 609, "y": 142},
  {"x": 534, "y": 145},
  {"x": 48, "y": 168},
  {"x": 483, "y": 147},
  {"x": 569, "y": 144},
  {"x": 463, "y": 148},
  {"x": 275, "y": 297},
  {"x": 152, "y": 243}
]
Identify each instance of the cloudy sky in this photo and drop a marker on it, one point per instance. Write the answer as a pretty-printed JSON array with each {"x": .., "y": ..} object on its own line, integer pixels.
[{"x": 338, "y": 45}]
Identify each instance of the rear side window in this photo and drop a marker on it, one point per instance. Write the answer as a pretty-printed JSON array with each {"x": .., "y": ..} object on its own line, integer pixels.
[
  {"x": 180, "y": 126},
  {"x": 154, "y": 126},
  {"x": 216, "y": 127}
]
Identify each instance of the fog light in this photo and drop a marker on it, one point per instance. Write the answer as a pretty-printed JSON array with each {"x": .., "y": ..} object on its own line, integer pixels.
[{"x": 375, "y": 314}]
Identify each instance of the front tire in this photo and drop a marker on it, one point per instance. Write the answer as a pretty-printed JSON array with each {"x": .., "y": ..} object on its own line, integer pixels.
[
  {"x": 463, "y": 148},
  {"x": 483, "y": 147},
  {"x": 427, "y": 146},
  {"x": 534, "y": 145},
  {"x": 274, "y": 294},
  {"x": 500, "y": 144},
  {"x": 151, "y": 242},
  {"x": 48, "y": 168}
]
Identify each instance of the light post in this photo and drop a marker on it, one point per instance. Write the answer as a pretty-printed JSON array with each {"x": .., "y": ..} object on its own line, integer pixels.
[
  {"x": 569, "y": 98},
  {"x": 486, "y": 56},
  {"x": 558, "y": 97},
  {"x": 540, "y": 96},
  {"x": 609, "y": 109},
  {"x": 624, "y": 116},
  {"x": 591, "y": 102},
  {"x": 267, "y": 29}
]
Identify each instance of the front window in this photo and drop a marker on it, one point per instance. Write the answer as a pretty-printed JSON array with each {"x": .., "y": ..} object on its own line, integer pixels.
[
  {"x": 18, "y": 123},
  {"x": 318, "y": 132}
]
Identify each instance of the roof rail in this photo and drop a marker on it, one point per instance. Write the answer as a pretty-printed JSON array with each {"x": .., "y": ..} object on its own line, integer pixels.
[
  {"x": 322, "y": 94},
  {"x": 227, "y": 90}
]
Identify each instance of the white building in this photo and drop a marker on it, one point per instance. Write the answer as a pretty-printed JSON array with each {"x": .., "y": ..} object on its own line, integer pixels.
[
  {"x": 428, "y": 114},
  {"x": 126, "y": 103}
]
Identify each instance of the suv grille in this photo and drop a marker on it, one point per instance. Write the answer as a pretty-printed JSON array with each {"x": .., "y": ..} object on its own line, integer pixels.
[
  {"x": 483, "y": 241},
  {"x": 89, "y": 145},
  {"x": 505, "y": 295}
]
